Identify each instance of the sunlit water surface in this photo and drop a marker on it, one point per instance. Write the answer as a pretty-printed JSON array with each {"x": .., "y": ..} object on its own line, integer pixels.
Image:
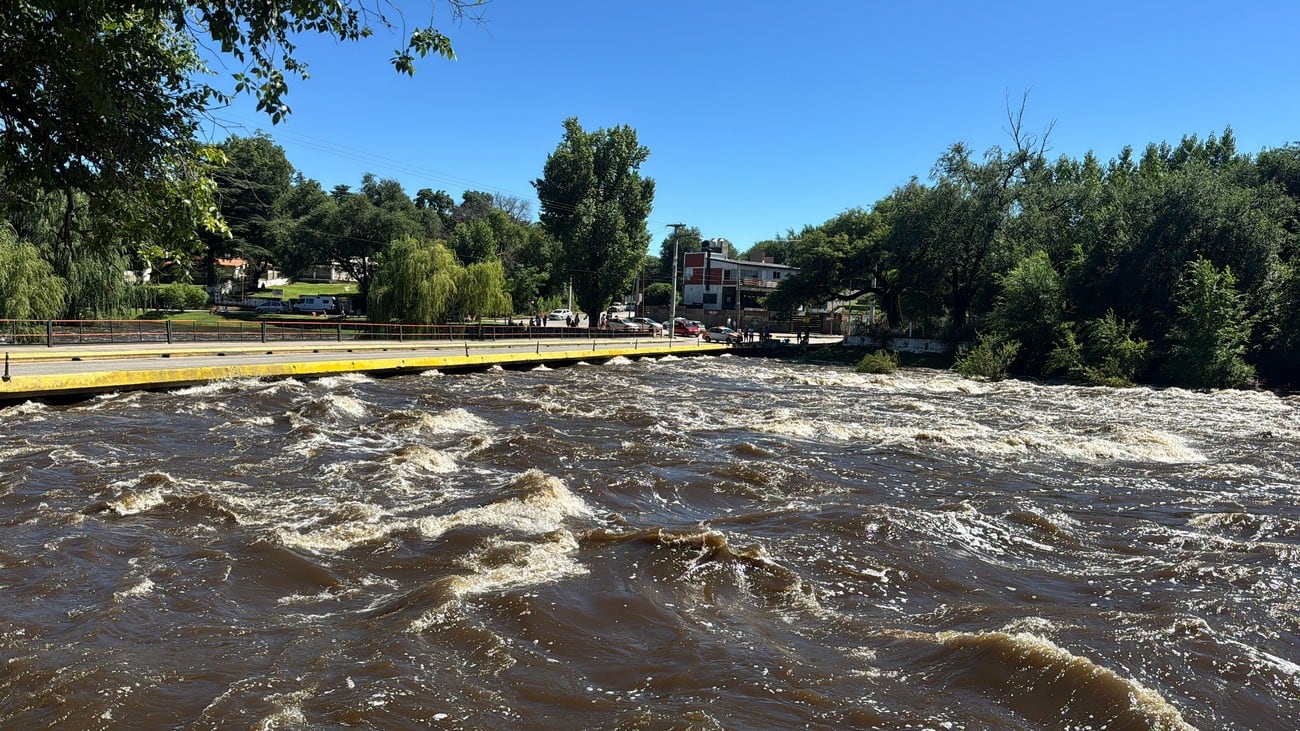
[{"x": 703, "y": 543}]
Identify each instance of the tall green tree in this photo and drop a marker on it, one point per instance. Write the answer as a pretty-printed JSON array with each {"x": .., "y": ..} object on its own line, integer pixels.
[
  {"x": 1030, "y": 310},
  {"x": 1210, "y": 330},
  {"x": 256, "y": 174},
  {"x": 687, "y": 239},
  {"x": 595, "y": 202}
]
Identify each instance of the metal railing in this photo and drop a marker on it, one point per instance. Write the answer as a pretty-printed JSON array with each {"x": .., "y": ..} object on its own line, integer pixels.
[{"x": 52, "y": 333}]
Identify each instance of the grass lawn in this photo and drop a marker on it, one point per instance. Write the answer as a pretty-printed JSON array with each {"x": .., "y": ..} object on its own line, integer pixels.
[
  {"x": 203, "y": 317},
  {"x": 297, "y": 289}
]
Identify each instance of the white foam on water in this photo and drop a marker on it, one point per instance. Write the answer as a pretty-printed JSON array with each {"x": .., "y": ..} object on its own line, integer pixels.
[
  {"x": 26, "y": 408},
  {"x": 619, "y": 360},
  {"x": 432, "y": 373},
  {"x": 133, "y": 503},
  {"x": 142, "y": 588},
  {"x": 418, "y": 457},
  {"x": 289, "y": 713},
  {"x": 362, "y": 523},
  {"x": 342, "y": 379},
  {"x": 452, "y": 421},
  {"x": 349, "y": 405},
  {"x": 207, "y": 389},
  {"x": 543, "y": 506},
  {"x": 546, "y": 562},
  {"x": 785, "y": 424}
]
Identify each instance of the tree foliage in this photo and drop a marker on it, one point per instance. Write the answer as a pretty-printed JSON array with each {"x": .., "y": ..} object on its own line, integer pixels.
[
  {"x": 416, "y": 283},
  {"x": 1210, "y": 330},
  {"x": 29, "y": 289},
  {"x": 595, "y": 203}
]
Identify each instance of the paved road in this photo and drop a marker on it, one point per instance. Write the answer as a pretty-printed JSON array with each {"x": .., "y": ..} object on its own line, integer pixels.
[{"x": 38, "y": 360}]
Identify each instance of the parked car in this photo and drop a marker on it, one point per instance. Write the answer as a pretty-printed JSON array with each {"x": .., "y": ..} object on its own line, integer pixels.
[
  {"x": 620, "y": 309},
  {"x": 647, "y": 324},
  {"x": 277, "y": 308},
  {"x": 722, "y": 334},
  {"x": 562, "y": 314},
  {"x": 619, "y": 325},
  {"x": 687, "y": 328}
]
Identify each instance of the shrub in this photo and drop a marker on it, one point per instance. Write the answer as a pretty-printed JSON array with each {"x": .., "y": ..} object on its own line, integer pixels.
[
  {"x": 988, "y": 359},
  {"x": 170, "y": 297},
  {"x": 881, "y": 361}
]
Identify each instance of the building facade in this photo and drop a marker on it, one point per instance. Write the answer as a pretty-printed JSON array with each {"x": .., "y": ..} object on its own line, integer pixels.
[{"x": 730, "y": 287}]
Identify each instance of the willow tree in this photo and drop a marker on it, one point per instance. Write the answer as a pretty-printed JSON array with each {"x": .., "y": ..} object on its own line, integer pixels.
[
  {"x": 416, "y": 283},
  {"x": 595, "y": 202},
  {"x": 481, "y": 290},
  {"x": 29, "y": 289}
]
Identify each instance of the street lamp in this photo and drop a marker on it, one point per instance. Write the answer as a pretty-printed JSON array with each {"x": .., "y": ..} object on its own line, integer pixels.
[{"x": 672, "y": 317}]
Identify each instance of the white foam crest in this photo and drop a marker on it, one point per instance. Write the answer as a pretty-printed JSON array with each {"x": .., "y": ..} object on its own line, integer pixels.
[
  {"x": 349, "y": 405},
  {"x": 619, "y": 360},
  {"x": 204, "y": 389},
  {"x": 1136, "y": 444},
  {"x": 288, "y": 714},
  {"x": 987, "y": 536},
  {"x": 546, "y": 562},
  {"x": 784, "y": 422},
  {"x": 26, "y": 408},
  {"x": 423, "y": 458},
  {"x": 142, "y": 588},
  {"x": 432, "y": 373},
  {"x": 132, "y": 503},
  {"x": 342, "y": 379},
  {"x": 452, "y": 421},
  {"x": 268, "y": 388},
  {"x": 544, "y": 505},
  {"x": 364, "y": 523}
]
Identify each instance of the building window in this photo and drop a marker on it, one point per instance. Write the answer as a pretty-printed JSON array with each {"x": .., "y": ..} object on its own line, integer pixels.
[{"x": 711, "y": 298}]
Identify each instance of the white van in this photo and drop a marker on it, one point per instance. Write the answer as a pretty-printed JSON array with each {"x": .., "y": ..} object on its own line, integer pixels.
[{"x": 316, "y": 304}]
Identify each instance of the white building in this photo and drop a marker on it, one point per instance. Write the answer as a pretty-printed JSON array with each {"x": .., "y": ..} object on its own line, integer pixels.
[{"x": 733, "y": 287}]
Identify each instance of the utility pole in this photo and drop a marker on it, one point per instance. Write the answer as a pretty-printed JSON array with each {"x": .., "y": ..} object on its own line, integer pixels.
[{"x": 672, "y": 317}]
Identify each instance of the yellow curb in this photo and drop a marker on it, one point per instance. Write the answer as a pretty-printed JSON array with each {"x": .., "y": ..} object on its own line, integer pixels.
[{"x": 72, "y": 384}]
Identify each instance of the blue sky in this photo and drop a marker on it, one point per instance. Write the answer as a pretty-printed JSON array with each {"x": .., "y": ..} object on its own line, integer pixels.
[{"x": 764, "y": 116}]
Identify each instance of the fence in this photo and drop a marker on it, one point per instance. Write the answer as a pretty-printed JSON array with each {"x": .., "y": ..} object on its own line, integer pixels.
[{"x": 82, "y": 332}]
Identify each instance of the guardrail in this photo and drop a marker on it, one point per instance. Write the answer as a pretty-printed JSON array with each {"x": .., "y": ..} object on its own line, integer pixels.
[{"x": 81, "y": 332}]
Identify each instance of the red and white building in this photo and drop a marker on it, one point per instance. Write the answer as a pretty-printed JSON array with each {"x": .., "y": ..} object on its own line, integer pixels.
[{"x": 730, "y": 287}]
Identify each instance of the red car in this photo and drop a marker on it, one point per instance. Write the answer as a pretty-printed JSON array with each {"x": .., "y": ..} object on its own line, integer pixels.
[{"x": 687, "y": 328}]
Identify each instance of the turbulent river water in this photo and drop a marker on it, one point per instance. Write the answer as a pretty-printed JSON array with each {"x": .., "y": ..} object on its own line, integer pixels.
[{"x": 695, "y": 543}]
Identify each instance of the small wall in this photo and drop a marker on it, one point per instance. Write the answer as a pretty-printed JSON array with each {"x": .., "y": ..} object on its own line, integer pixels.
[{"x": 905, "y": 345}]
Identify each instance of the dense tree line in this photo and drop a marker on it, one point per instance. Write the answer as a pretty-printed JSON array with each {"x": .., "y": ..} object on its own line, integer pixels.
[
  {"x": 1178, "y": 265},
  {"x": 490, "y": 258}
]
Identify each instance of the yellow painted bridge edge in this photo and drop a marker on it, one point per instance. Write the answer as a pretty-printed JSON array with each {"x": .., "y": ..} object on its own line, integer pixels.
[{"x": 37, "y": 386}]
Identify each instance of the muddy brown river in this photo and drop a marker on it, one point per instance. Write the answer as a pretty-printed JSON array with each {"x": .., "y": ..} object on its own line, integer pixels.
[{"x": 675, "y": 543}]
